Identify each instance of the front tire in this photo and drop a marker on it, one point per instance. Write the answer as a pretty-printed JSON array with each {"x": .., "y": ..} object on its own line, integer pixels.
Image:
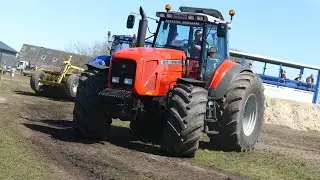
[
  {"x": 242, "y": 114},
  {"x": 89, "y": 115},
  {"x": 72, "y": 85},
  {"x": 185, "y": 122}
]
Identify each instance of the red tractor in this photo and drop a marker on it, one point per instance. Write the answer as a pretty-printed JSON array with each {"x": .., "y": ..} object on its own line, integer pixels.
[{"x": 173, "y": 91}]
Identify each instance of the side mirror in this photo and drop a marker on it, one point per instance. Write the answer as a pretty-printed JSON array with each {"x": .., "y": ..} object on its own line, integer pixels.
[
  {"x": 222, "y": 30},
  {"x": 130, "y": 21}
]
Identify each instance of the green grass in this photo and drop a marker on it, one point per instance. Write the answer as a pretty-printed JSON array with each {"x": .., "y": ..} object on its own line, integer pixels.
[
  {"x": 17, "y": 158},
  {"x": 18, "y": 161},
  {"x": 258, "y": 165}
]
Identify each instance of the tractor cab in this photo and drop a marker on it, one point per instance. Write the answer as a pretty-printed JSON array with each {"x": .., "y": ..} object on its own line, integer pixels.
[
  {"x": 201, "y": 33},
  {"x": 124, "y": 41},
  {"x": 121, "y": 42}
]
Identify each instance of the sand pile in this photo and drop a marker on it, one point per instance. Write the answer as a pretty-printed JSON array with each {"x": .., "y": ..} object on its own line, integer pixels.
[{"x": 292, "y": 114}]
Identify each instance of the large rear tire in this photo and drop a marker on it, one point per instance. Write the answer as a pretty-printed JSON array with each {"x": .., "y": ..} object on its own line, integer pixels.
[
  {"x": 34, "y": 81},
  {"x": 89, "y": 114},
  {"x": 242, "y": 114},
  {"x": 182, "y": 131}
]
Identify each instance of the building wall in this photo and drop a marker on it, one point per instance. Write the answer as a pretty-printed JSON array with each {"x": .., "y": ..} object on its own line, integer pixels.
[
  {"x": 9, "y": 59},
  {"x": 49, "y": 57}
]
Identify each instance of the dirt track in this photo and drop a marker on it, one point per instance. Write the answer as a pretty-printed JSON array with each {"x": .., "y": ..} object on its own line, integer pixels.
[
  {"x": 46, "y": 124},
  {"x": 49, "y": 128}
]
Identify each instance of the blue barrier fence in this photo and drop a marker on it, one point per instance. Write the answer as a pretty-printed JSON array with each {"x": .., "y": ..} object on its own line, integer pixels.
[{"x": 278, "y": 80}]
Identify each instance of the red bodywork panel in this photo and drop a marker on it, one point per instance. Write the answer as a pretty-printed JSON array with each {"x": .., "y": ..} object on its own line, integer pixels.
[
  {"x": 220, "y": 72},
  {"x": 153, "y": 76},
  {"x": 157, "y": 69}
]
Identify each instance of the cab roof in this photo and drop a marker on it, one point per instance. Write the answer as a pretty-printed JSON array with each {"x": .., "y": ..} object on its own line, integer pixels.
[
  {"x": 211, "y": 12},
  {"x": 210, "y": 15}
]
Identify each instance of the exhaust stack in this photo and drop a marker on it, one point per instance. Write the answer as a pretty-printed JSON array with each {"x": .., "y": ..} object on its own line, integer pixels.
[{"x": 142, "y": 31}]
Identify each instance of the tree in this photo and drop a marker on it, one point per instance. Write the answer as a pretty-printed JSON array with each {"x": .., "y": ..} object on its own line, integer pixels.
[{"x": 95, "y": 49}]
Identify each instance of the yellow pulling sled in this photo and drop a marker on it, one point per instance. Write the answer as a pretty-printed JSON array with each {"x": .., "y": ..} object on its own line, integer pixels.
[{"x": 44, "y": 81}]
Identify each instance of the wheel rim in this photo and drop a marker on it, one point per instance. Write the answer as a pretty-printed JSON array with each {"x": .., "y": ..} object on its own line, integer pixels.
[
  {"x": 250, "y": 115},
  {"x": 75, "y": 87},
  {"x": 39, "y": 83}
]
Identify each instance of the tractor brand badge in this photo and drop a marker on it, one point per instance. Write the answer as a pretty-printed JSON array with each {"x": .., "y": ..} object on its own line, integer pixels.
[{"x": 124, "y": 66}]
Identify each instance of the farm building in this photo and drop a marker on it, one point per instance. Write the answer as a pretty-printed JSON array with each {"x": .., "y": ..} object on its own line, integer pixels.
[
  {"x": 8, "y": 55},
  {"x": 42, "y": 56}
]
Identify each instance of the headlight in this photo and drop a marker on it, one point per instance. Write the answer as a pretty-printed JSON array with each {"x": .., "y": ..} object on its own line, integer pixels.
[
  {"x": 128, "y": 81},
  {"x": 115, "y": 79}
]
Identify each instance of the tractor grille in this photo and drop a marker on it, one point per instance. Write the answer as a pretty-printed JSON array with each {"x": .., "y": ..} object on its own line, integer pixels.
[
  {"x": 118, "y": 103},
  {"x": 123, "y": 73},
  {"x": 116, "y": 96}
]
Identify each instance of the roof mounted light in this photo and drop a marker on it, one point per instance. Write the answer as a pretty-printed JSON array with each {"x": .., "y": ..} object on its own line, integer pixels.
[
  {"x": 200, "y": 18},
  {"x": 232, "y": 13},
  {"x": 191, "y": 17},
  {"x": 169, "y": 15},
  {"x": 168, "y": 7},
  {"x": 162, "y": 15}
]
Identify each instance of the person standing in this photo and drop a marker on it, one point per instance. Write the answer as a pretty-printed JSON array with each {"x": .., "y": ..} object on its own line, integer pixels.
[{"x": 13, "y": 71}]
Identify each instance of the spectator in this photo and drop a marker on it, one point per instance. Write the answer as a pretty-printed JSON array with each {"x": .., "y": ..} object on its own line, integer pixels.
[
  {"x": 13, "y": 70},
  {"x": 284, "y": 74},
  {"x": 299, "y": 78},
  {"x": 310, "y": 79},
  {"x": 4, "y": 69}
]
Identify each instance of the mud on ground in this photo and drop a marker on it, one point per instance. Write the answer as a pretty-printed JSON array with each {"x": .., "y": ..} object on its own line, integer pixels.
[{"x": 46, "y": 124}]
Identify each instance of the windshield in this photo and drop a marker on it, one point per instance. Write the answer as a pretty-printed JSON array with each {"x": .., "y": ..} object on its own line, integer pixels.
[
  {"x": 181, "y": 35},
  {"x": 121, "y": 46}
]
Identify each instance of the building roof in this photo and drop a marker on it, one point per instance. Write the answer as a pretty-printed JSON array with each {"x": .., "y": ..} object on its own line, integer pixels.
[
  {"x": 7, "y": 49},
  {"x": 42, "y": 56}
]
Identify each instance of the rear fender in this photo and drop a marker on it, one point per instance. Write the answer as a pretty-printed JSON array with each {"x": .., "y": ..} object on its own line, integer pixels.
[{"x": 223, "y": 77}]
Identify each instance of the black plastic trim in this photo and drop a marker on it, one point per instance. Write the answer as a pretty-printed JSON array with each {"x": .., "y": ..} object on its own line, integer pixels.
[
  {"x": 192, "y": 81},
  {"x": 97, "y": 66}
]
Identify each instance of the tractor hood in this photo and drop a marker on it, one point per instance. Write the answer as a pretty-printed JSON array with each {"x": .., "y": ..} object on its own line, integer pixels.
[{"x": 144, "y": 53}]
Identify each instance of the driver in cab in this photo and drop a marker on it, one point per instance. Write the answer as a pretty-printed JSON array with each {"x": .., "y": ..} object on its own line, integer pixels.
[{"x": 195, "y": 50}]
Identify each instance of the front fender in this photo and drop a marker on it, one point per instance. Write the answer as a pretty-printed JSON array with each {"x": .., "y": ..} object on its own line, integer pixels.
[{"x": 223, "y": 77}]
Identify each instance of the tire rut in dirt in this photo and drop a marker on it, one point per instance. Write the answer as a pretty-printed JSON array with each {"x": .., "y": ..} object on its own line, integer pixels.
[
  {"x": 232, "y": 135},
  {"x": 184, "y": 126},
  {"x": 89, "y": 116}
]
